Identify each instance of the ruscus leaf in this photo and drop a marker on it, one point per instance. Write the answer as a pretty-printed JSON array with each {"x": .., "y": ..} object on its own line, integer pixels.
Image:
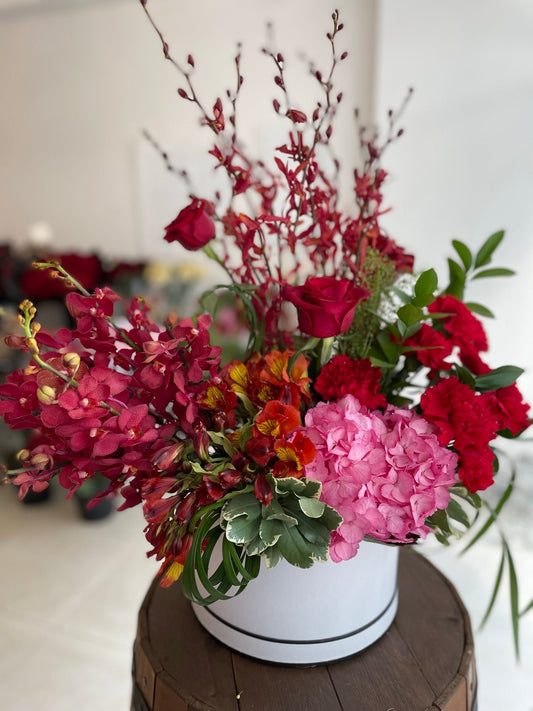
[
  {"x": 464, "y": 253},
  {"x": 425, "y": 287},
  {"x": 499, "y": 378},
  {"x": 479, "y": 309},
  {"x": 456, "y": 286},
  {"x": 496, "y": 271},
  {"x": 487, "y": 248}
]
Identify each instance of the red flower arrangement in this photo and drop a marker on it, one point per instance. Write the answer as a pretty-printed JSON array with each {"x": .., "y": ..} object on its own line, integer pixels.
[{"x": 380, "y": 393}]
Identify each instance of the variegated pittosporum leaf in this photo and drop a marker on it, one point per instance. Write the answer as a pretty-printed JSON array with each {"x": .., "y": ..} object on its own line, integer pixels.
[{"x": 296, "y": 525}]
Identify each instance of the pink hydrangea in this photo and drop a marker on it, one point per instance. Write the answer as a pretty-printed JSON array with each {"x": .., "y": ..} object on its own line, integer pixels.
[{"x": 384, "y": 472}]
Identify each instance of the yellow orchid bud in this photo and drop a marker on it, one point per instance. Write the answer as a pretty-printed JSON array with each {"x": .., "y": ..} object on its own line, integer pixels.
[
  {"x": 23, "y": 455},
  {"x": 40, "y": 460},
  {"x": 46, "y": 395},
  {"x": 32, "y": 346},
  {"x": 71, "y": 361}
]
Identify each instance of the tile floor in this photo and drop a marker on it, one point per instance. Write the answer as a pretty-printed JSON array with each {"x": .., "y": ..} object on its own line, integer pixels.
[{"x": 71, "y": 590}]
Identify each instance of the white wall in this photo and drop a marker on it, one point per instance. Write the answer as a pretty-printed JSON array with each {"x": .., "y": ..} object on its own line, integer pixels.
[
  {"x": 464, "y": 168},
  {"x": 79, "y": 83}
]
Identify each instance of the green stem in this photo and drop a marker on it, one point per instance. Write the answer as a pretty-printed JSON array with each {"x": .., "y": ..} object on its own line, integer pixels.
[{"x": 59, "y": 268}]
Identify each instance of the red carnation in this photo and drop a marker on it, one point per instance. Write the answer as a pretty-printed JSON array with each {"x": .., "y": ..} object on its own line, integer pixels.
[
  {"x": 193, "y": 227},
  {"x": 476, "y": 471},
  {"x": 509, "y": 409},
  {"x": 464, "y": 419},
  {"x": 431, "y": 348},
  {"x": 345, "y": 376},
  {"x": 462, "y": 416},
  {"x": 463, "y": 330}
]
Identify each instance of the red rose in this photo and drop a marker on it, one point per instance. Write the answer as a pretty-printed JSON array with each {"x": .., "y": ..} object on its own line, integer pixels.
[
  {"x": 345, "y": 376},
  {"x": 326, "y": 305},
  {"x": 192, "y": 228}
]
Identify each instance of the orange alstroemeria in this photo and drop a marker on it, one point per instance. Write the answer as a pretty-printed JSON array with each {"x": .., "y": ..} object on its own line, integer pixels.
[
  {"x": 277, "y": 419},
  {"x": 172, "y": 566},
  {"x": 246, "y": 380},
  {"x": 218, "y": 397},
  {"x": 293, "y": 456},
  {"x": 290, "y": 384}
]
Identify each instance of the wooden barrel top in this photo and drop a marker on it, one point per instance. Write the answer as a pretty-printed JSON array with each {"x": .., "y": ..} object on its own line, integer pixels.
[{"x": 425, "y": 662}]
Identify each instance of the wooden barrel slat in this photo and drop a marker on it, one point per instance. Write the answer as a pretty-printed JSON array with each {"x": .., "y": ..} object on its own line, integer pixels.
[
  {"x": 431, "y": 636},
  {"x": 425, "y": 662},
  {"x": 198, "y": 668},
  {"x": 266, "y": 687},
  {"x": 385, "y": 676}
]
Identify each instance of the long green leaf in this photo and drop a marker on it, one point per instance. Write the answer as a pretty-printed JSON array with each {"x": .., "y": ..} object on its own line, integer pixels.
[
  {"x": 425, "y": 286},
  {"x": 495, "y": 591},
  {"x": 513, "y": 590},
  {"x": 494, "y": 514},
  {"x": 527, "y": 608}
]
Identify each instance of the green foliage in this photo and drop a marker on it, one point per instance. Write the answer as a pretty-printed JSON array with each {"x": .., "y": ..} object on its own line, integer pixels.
[
  {"x": 498, "y": 378},
  {"x": 243, "y": 293},
  {"x": 484, "y": 254},
  {"x": 199, "y": 582},
  {"x": 380, "y": 276},
  {"x": 296, "y": 526},
  {"x": 425, "y": 288},
  {"x": 479, "y": 309},
  {"x": 471, "y": 268}
]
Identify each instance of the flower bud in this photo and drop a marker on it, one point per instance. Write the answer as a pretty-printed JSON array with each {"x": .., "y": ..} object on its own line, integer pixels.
[
  {"x": 23, "y": 455},
  {"x": 71, "y": 361},
  {"x": 14, "y": 341},
  {"x": 46, "y": 395},
  {"x": 165, "y": 457},
  {"x": 31, "y": 345},
  {"x": 186, "y": 508},
  {"x": 201, "y": 441},
  {"x": 41, "y": 461}
]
